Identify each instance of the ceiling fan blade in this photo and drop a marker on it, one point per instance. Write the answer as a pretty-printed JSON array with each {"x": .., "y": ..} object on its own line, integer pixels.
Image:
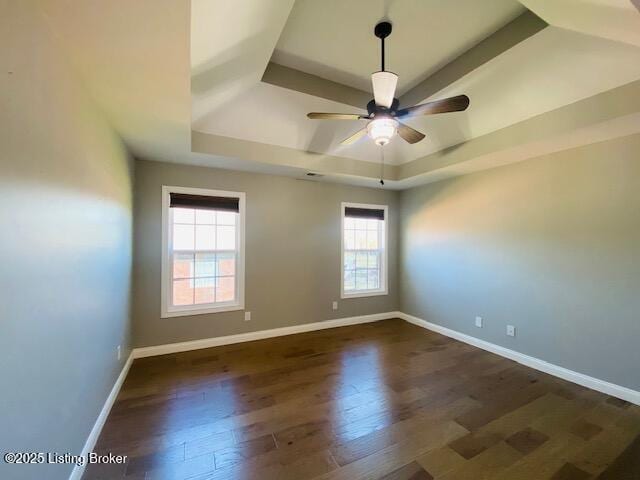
[
  {"x": 384, "y": 88},
  {"x": 452, "y": 104},
  {"x": 335, "y": 116},
  {"x": 355, "y": 137},
  {"x": 409, "y": 134}
]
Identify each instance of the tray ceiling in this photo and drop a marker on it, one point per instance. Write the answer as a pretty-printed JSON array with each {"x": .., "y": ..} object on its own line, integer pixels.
[{"x": 201, "y": 83}]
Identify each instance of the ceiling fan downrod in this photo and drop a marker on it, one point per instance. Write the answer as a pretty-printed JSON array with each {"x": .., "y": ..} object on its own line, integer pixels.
[{"x": 382, "y": 30}]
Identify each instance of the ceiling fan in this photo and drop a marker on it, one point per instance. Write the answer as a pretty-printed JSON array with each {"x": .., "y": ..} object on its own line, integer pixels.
[{"x": 383, "y": 113}]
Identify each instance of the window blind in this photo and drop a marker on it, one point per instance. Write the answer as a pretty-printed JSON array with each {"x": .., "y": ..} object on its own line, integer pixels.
[
  {"x": 205, "y": 202},
  {"x": 355, "y": 212}
]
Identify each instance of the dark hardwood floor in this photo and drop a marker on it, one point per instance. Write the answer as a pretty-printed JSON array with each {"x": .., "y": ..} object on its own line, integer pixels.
[{"x": 385, "y": 400}]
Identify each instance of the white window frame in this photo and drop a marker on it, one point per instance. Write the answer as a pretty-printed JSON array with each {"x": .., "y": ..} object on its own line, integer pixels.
[
  {"x": 167, "y": 309},
  {"x": 384, "y": 283}
]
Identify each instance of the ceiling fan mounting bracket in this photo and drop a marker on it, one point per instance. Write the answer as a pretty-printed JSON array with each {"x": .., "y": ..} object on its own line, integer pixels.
[{"x": 382, "y": 30}]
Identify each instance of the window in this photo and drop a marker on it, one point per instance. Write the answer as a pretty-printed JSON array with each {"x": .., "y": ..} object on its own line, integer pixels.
[
  {"x": 203, "y": 251},
  {"x": 364, "y": 254}
]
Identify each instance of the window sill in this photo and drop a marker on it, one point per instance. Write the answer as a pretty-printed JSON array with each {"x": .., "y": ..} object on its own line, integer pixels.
[
  {"x": 374, "y": 293},
  {"x": 201, "y": 311}
]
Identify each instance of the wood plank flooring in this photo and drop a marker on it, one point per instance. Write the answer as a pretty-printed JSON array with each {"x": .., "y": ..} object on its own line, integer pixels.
[{"x": 385, "y": 400}]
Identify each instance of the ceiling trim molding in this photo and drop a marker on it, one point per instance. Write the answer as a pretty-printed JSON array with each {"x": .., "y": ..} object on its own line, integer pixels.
[
  {"x": 302, "y": 82},
  {"x": 516, "y": 31},
  {"x": 627, "y": 126},
  {"x": 613, "y": 104},
  {"x": 604, "y": 116},
  {"x": 210, "y": 144}
]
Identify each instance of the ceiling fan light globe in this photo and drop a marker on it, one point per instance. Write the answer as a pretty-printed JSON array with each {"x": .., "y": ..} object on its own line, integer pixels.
[
  {"x": 382, "y": 130},
  {"x": 384, "y": 87}
]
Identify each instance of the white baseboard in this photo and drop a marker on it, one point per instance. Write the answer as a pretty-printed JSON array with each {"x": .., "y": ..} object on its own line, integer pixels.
[
  {"x": 259, "y": 335},
  {"x": 612, "y": 389},
  {"x": 78, "y": 470}
]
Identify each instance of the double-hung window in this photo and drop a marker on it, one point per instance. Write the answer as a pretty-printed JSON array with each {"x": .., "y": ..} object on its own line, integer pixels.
[
  {"x": 364, "y": 251},
  {"x": 203, "y": 251}
]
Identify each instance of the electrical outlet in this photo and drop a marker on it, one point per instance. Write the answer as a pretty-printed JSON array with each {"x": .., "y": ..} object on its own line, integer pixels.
[
  {"x": 335, "y": 305},
  {"x": 119, "y": 352},
  {"x": 247, "y": 316},
  {"x": 479, "y": 322},
  {"x": 511, "y": 330}
]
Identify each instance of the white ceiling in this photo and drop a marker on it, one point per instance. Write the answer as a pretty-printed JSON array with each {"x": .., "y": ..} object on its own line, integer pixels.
[
  {"x": 613, "y": 19},
  {"x": 231, "y": 42},
  {"x": 551, "y": 69},
  {"x": 334, "y": 39},
  {"x": 161, "y": 68}
]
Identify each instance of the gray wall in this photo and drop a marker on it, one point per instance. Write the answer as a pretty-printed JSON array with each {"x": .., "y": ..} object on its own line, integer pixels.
[
  {"x": 66, "y": 214},
  {"x": 550, "y": 245},
  {"x": 292, "y": 252}
]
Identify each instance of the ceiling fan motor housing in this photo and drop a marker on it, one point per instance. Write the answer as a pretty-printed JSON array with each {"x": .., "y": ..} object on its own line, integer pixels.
[{"x": 374, "y": 109}]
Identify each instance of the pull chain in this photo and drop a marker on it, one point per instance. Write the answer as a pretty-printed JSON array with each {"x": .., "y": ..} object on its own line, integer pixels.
[{"x": 382, "y": 165}]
